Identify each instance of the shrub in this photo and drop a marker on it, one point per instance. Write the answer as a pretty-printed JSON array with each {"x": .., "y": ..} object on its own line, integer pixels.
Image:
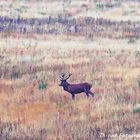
[
  {"x": 131, "y": 40},
  {"x": 42, "y": 85},
  {"x": 139, "y": 82},
  {"x": 136, "y": 110}
]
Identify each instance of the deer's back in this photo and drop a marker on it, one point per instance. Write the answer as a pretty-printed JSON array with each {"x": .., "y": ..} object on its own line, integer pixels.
[{"x": 78, "y": 88}]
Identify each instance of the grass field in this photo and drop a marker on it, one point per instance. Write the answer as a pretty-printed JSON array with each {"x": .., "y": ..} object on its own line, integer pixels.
[
  {"x": 97, "y": 41},
  {"x": 50, "y": 114}
]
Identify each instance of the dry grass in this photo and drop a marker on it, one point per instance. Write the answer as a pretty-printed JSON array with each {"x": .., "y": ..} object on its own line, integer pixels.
[{"x": 51, "y": 114}]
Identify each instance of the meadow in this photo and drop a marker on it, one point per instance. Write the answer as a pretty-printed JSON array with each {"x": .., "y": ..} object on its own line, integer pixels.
[
  {"x": 30, "y": 113},
  {"x": 97, "y": 41}
]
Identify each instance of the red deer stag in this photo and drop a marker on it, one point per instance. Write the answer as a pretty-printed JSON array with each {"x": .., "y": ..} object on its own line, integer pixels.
[{"x": 75, "y": 88}]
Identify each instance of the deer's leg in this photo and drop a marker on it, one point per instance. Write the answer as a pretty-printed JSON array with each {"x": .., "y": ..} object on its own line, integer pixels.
[
  {"x": 87, "y": 93},
  {"x": 92, "y": 94},
  {"x": 73, "y": 96}
]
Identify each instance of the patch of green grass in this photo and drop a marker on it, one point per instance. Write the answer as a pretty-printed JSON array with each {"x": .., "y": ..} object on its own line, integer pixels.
[
  {"x": 128, "y": 12},
  {"x": 100, "y": 6},
  {"x": 139, "y": 83},
  {"x": 42, "y": 13},
  {"x": 131, "y": 40},
  {"x": 42, "y": 85},
  {"x": 136, "y": 110}
]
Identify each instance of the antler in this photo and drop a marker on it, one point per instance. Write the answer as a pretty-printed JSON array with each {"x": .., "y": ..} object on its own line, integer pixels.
[
  {"x": 68, "y": 76},
  {"x": 63, "y": 76}
]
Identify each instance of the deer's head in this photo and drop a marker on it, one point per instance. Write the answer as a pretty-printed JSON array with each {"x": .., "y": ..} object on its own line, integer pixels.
[{"x": 63, "y": 80}]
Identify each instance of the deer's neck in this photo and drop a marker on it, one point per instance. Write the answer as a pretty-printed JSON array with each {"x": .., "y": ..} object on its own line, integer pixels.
[{"x": 66, "y": 86}]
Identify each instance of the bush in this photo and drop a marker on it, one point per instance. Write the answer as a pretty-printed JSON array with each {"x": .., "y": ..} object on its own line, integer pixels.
[
  {"x": 15, "y": 73},
  {"x": 131, "y": 40},
  {"x": 139, "y": 83},
  {"x": 136, "y": 110},
  {"x": 42, "y": 85},
  {"x": 100, "y": 6}
]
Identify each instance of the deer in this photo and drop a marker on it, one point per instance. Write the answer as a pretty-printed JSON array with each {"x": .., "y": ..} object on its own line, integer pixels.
[{"x": 74, "y": 89}]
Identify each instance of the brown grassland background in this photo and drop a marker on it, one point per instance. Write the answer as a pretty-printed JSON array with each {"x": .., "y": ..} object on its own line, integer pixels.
[
  {"x": 97, "y": 41},
  {"x": 31, "y": 114}
]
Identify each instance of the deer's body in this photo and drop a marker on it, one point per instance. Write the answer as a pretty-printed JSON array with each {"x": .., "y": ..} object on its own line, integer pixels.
[{"x": 76, "y": 88}]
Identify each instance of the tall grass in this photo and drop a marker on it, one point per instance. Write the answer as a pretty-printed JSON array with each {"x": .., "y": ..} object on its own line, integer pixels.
[{"x": 29, "y": 113}]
